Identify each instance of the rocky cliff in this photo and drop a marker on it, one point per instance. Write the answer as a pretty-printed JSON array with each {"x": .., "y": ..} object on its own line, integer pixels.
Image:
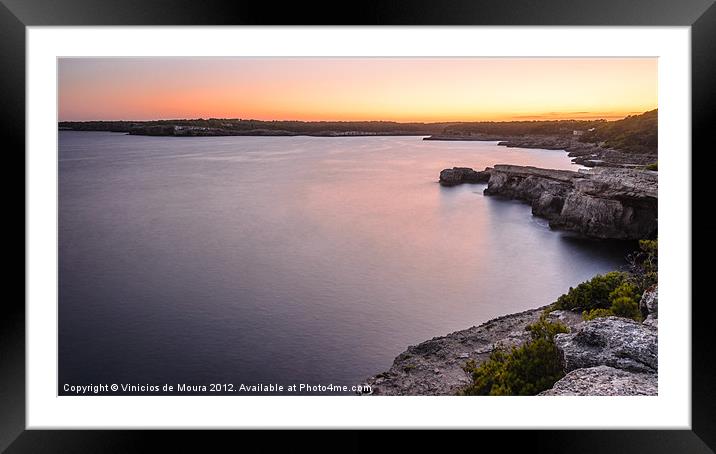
[
  {"x": 611, "y": 356},
  {"x": 604, "y": 356},
  {"x": 586, "y": 154},
  {"x": 604, "y": 381},
  {"x": 611, "y": 203},
  {"x": 436, "y": 367}
]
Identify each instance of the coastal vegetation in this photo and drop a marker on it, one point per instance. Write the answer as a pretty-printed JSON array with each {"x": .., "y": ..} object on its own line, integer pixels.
[
  {"x": 519, "y": 128},
  {"x": 523, "y": 371},
  {"x": 536, "y": 365},
  {"x": 623, "y": 302},
  {"x": 603, "y": 295},
  {"x": 644, "y": 264},
  {"x": 592, "y": 294},
  {"x": 615, "y": 293},
  {"x": 633, "y": 134}
]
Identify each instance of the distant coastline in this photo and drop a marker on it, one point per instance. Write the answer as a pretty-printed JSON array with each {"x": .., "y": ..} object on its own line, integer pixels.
[
  {"x": 630, "y": 142},
  {"x": 240, "y": 127}
]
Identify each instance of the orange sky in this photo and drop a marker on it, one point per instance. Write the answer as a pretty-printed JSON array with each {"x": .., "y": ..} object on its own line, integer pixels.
[{"x": 398, "y": 89}]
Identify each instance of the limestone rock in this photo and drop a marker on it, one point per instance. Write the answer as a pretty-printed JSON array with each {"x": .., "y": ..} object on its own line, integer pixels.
[
  {"x": 604, "y": 381},
  {"x": 413, "y": 371},
  {"x": 605, "y": 202},
  {"x": 649, "y": 303},
  {"x": 612, "y": 203},
  {"x": 568, "y": 318},
  {"x": 611, "y": 341}
]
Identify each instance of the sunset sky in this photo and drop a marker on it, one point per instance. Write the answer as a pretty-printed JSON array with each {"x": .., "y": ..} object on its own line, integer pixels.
[{"x": 396, "y": 89}]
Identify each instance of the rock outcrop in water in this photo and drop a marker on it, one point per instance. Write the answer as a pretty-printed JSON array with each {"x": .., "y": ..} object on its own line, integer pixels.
[
  {"x": 459, "y": 175},
  {"x": 602, "y": 203}
]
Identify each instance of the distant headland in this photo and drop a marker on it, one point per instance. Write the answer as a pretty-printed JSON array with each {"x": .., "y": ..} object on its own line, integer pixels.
[{"x": 632, "y": 141}]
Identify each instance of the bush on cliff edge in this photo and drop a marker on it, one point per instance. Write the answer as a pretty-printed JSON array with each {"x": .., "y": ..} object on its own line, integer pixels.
[
  {"x": 536, "y": 365},
  {"x": 592, "y": 294},
  {"x": 624, "y": 303},
  {"x": 644, "y": 264},
  {"x": 624, "y": 299},
  {"x": 524, "y": 371}
]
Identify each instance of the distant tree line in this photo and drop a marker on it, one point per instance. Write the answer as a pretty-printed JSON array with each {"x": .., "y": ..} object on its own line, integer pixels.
[
  {"x": 235, "y": 124},
  {"x": 635, "y": 133},
  {"x": 519, "y": 128}
]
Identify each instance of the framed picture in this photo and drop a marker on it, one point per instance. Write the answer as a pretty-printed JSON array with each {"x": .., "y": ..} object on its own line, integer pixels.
[{"x": 408, "y": 217}]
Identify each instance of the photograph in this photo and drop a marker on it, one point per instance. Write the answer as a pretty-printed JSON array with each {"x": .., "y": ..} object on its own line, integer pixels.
[
  {"x": 357, "y": 226},
  {"x": 365, "y": 226}
]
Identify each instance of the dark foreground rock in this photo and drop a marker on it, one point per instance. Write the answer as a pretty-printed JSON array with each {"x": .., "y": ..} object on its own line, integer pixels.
[
  {"x": 435, "y": 367},
  {"x": 610, "y": 341},
  {"x": 604, "y": 381},
  {"x": 609, "y": 356},
  {"x": 604, "y": 203}
]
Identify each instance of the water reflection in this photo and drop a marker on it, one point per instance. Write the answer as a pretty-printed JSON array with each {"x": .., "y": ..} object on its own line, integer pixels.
[{"x": 298, "y": 259}]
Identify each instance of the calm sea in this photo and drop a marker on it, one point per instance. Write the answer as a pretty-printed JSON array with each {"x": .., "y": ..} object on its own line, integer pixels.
[{"x": 288, "y": 260}]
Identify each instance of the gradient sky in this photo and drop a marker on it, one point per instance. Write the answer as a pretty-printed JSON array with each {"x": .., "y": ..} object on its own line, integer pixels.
[{"x": 397, "y": 89}]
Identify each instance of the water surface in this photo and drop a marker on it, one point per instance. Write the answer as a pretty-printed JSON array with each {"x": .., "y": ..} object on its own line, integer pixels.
[{"x": 289, "y": 259}]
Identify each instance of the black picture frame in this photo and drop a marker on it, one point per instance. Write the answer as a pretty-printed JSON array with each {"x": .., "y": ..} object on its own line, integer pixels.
[{"x": 16, "y": 15}]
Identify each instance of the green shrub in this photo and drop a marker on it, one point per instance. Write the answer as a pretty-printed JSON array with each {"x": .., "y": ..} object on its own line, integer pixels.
[
  {"x": 644, "y": 264},
  {"x": 649, "y": 246},
  {"x": 650, "y": 263},
  {"x": 653, "y": 166},
  {"x": 594, "y": 313},
  {"x": 523, "y": 371},
  {"x": 623, "y": 303},
  {"x": 625, "y": 290},
  {"x": 593, "y": 294},
  {"x": 487, "y": 375},
  {"x": 626, "y": 307}
]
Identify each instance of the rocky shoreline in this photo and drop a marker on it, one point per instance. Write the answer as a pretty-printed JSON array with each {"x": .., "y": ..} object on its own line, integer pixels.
[
  {"x": 606, "y": 203},
  {"x": 603, "y": 356},
  {"x": 583, "y": 153},
  {"x": 435, "y": 367}
]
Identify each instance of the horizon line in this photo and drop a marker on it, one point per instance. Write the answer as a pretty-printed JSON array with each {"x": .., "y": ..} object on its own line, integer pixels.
[{"x": 526, "y": 118}]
